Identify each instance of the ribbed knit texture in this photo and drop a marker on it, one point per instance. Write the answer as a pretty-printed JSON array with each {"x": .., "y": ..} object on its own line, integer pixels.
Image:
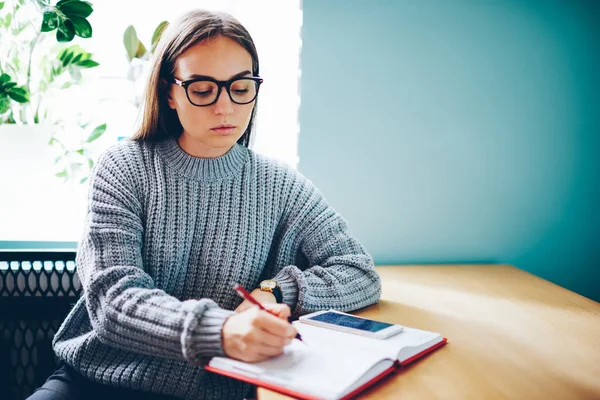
[{"x": 168, "y": 234}]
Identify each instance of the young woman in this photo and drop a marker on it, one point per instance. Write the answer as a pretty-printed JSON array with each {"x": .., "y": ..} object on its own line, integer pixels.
[{"x": 179, "y": 214}]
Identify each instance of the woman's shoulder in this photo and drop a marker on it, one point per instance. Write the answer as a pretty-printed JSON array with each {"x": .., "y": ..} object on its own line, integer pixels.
[
  {"x": 276, "y": 168},
  {"x": 280, "y": 173},
  {"x": 123, "y": 153},
  {"x": 121, "y": 163}
]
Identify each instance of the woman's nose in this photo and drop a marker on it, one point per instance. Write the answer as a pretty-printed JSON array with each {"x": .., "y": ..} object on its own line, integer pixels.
[{"x": 224, "y": 105}]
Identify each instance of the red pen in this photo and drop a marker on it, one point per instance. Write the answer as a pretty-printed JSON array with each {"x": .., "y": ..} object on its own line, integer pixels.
[{"x": 247, "y": 296}]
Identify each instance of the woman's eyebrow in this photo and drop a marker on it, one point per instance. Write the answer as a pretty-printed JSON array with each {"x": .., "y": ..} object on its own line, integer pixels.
[{"x": 238, "y": 75}]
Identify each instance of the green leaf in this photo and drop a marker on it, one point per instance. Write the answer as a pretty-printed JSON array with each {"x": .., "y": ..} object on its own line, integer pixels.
[
  {"x": 4, "y": 78},
  {"x": 62, "y": 174},
  {"x": 50, "y": 21},
  {"x": 90, "y": 163},
  {"x": 76, "y": 59},
  {"x": 16, "y": 63},
  {"x": 67, "y": 59},
  {"x": 158, "y": 33},
  {"x": 1, "y": 5},
  {"x": 8, "y": 20},
  {"x": 66, "y": 85},
  {"x": 131, "y": 42},
  {"x": 87, "y": 63},
  {"x": 61, "y": 2},
  {"x": 63, "y": 54},
  {"x": 99, "y": 131},
  {"x": 76, "y": 8},
  {"x": 8, "y": 85},
  {"x": 141, "y": 50},
  {"x": 82, "y": 180},
  {"x": 83, "y": 28},
  {"x": 59, "y": 70},
  {"x": 54, "y": 140},
  {"x": 66, "y": 31},
  {"x": 18, "y": 94}
]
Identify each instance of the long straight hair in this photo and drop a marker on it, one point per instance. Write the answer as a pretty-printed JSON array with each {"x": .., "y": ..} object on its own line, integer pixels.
[{"x": 159, "y": 121}]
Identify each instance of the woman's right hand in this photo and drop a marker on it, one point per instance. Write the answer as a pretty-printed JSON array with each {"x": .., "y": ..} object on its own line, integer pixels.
[{"x": 255, "y": 335}]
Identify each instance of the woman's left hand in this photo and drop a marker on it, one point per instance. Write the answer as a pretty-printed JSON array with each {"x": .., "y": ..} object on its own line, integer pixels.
[{"x": 262, "y": 296}]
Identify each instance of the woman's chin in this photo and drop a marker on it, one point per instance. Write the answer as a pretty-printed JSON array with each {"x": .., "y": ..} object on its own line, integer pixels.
[{"x": 224, "y": 140}]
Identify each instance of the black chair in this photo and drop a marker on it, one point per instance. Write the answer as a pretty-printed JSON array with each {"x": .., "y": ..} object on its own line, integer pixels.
[{"x": 37, "y": 290}]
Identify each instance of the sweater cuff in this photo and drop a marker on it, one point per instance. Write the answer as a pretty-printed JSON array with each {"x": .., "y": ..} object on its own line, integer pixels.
[
  {"x": 202, "y": 338},
  {"x": 289, "y": 288}
]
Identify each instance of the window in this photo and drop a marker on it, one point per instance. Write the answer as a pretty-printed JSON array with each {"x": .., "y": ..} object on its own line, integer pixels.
[{"x": 45, "y": 209}]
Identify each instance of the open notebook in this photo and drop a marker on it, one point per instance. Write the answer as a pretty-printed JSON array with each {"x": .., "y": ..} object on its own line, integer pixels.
[{"x": 331, "y": 364}]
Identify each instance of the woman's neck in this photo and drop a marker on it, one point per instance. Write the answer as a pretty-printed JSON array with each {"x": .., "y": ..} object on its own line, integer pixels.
[{"x": 196, "y": 148}]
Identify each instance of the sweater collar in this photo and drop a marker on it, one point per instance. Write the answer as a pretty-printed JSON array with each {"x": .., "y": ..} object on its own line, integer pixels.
[{"x": 227, "y": 165}]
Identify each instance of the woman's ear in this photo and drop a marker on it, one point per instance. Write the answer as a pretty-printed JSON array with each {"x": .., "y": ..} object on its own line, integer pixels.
[{"x": 166, "y": 88}]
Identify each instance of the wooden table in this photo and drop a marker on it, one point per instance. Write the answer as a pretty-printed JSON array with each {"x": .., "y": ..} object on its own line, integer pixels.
[{"x": 511, "y": 335}]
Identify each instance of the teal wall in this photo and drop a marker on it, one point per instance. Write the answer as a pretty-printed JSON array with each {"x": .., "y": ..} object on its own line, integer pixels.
[{"x": 459, "y": 131}]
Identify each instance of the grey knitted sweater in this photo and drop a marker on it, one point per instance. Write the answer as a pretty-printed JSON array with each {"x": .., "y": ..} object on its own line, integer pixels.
[{"x": 167, "y": 234}]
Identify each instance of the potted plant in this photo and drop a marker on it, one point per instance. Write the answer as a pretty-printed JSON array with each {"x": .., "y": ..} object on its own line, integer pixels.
[
  {"x": 139, "y": 57},
  {"x": 38, "y": 63}
]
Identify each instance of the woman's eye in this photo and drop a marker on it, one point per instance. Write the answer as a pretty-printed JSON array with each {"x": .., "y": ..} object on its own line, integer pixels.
[
  {"x": 201, "y": 93},
  {"x": 240, "y": 91}
]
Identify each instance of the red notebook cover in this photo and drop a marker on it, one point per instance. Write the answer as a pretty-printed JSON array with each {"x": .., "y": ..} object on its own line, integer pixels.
[{"x": 299, "y": 395}]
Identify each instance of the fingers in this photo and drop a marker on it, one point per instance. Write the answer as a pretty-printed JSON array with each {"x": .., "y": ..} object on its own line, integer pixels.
[
  {"x": 281, "y": 310},
  {"x": 255, "y": 335},
  {"x": 267, "y": 339},
  {"x": 274, "y": 325},
  {"x": 262, "y": 344}
]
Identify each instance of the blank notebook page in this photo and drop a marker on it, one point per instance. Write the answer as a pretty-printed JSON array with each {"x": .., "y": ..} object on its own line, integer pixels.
[{"x": 314, "y": 367}]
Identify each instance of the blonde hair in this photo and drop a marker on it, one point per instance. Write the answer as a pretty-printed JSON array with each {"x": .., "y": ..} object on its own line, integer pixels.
[{"x": 159, "y": 121}]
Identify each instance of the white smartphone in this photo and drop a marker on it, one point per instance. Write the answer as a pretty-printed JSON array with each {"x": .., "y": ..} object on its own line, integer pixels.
[{"x": 344, "y": 322}]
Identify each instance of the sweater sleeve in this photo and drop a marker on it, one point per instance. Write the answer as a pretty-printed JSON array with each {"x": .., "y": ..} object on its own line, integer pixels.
[
  {"x": 339, "y": 273},
  {"x": 126, "y": 309}
]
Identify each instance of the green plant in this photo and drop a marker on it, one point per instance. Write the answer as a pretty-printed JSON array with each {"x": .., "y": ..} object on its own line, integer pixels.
[
  {"x": 134, "y": 46},
  {"x": 31, "y": 67},
  {"x": 38, "y": 64},
  {"x": 75, "y": 161},
  {"x": 10, "y": 91},
  {"x": 139, "y": 57}
]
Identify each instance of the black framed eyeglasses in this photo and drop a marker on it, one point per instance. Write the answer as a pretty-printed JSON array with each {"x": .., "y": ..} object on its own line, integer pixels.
[{"x": 202, "y": 92}]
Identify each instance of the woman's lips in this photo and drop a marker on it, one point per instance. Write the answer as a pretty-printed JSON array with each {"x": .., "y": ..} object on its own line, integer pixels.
[{"x": 224, "y": 129}]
